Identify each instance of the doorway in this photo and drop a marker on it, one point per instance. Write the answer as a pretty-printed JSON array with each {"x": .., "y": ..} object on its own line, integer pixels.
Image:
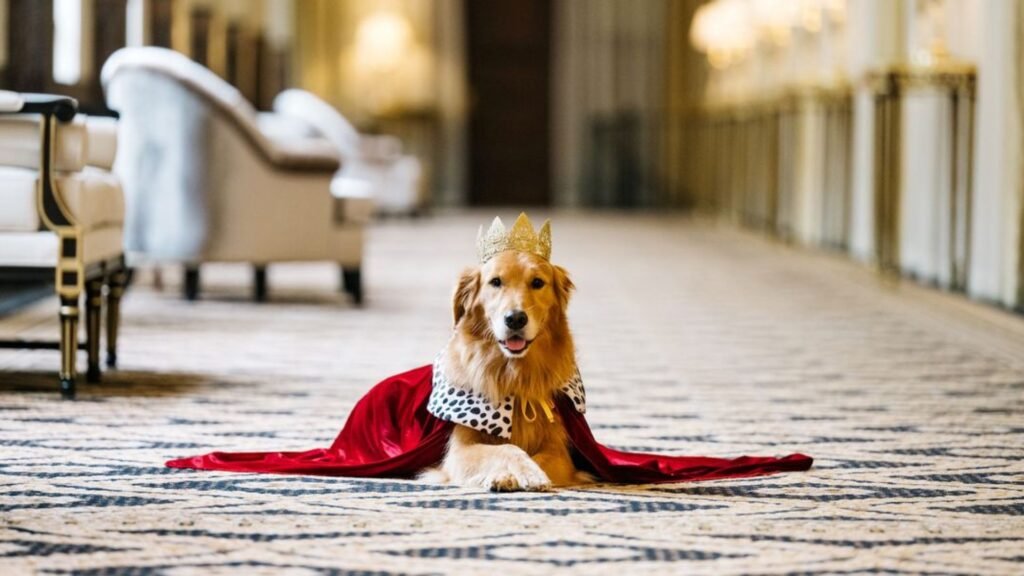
[{"x": 508, "y": 48}]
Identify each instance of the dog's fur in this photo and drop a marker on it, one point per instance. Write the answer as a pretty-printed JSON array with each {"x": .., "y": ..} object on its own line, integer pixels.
[{"x": 537, "y": 457}]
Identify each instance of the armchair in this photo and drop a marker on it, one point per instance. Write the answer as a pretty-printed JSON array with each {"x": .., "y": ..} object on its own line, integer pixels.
[
  {"x": 61, "y": 215},
  {"x": 207, "y": 179},
  {"x": 374, "y": 164}
]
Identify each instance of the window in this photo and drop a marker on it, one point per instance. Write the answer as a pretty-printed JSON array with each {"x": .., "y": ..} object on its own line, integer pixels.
[{"x": 67, "y": 41}]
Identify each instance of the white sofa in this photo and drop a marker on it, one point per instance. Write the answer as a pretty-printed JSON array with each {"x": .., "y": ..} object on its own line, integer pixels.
[
  {"x": 374, "y": 165},
  {"x": 61, "y": 217},
  {"x": 207, "y": 179}
]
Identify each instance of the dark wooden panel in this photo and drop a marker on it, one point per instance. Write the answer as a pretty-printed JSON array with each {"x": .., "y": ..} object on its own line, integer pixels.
[
  {"x": 199, "y": 35},
  {"x": 272, "y": 72},
  {"x": 30, "y": 55},
  {"x": 108, "y": 29},
  {"x": 160, "y": 18},
  {"x": 509, "y": 54},
  {"x": 241, "y": 64},
  {"x": 109, "y": 20}
]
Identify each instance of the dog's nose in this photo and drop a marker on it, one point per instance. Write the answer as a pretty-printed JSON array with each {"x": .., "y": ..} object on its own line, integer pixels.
[{"x": 516, "y": 319}]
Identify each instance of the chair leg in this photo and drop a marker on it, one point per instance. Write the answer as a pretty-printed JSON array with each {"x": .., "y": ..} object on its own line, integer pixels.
[
  {"x": 191, "y": 284},
  {"x": 259, "y": 283},
  {"x": 68, "y": 345},
  {"x": 116, "y": 283},
  {"x": 93, "y": 311},
  {"x": 352, "y": 282}
]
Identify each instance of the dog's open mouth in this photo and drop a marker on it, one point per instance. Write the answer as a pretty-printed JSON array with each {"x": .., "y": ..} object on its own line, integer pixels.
[{"x": 515, "y": 344}]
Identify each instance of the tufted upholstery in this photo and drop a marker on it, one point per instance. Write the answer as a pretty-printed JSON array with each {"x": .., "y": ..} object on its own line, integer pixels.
[
  {"x": 93, "y": 196},
  {"x": 84, "y": 153}
]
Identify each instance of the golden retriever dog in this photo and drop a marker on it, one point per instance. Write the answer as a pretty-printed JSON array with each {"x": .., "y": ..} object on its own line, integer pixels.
[{"x": 512, "y": 338}]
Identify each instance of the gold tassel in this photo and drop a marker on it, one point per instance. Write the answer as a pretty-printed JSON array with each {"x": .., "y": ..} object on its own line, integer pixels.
[{"x": 523, "y": 405}]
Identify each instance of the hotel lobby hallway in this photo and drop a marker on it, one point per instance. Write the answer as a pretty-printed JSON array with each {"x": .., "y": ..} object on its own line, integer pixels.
[{"x": 693, "y": 339}]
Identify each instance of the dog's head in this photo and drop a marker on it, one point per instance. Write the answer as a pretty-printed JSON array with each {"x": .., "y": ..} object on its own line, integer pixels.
[{"x": 516, "y": 298}]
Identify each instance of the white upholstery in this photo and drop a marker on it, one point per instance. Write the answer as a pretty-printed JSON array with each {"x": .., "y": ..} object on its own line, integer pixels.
[
  {"x": 93, "y": 196},
  {"x": 214, "y": 92},
  {"x": 354, "y": 198},
  {"x": 208, "y": 179},
  {"x": 396, "y": 182},
  {"x": 371, "y": 163},
  {"x": 308, "y": 107},
  {"x": 10, "y": 101},
  {"x": 39, "y": 249},
  {"x": 18, "y": 211},
  {"x": 20, "y": 142},
  {"x": 84, "y": 141},
  {"x": 281, "y": 128},
  {"x": 102, "y": 146}
]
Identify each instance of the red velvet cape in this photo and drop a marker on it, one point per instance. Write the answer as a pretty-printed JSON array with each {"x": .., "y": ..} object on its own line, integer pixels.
[{"x": 390, "y": 434}]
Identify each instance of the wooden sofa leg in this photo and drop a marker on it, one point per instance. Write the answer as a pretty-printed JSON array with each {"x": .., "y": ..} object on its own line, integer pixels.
[
  {"x": 352, "y": 282},
  {"x": 68, "y": 345},
  {"x": 116, "y": 283},
  {"x": 191, "y": 283},
  {"x": 93, "y": 311},
  {"x": 259, "y": 283}
]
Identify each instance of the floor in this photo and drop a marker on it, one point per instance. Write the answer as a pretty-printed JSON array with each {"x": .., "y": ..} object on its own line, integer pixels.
[{"x": 694, "y": 339}]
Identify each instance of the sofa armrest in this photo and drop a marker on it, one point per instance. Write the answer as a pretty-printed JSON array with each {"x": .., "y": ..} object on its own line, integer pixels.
[
  {"x": 69, "y": 274},
  {"x": 279, "y": 127},
  {"x": 314, "y": 155},
  {"x": 303, "y": 106},
  {"x": 52, "y": 109},
  {"x": 10, "y": 101},
  {"x": 295, "y": 143},
  {"x": 222, "y": 98},
  {"x": 63, "y": 107}
]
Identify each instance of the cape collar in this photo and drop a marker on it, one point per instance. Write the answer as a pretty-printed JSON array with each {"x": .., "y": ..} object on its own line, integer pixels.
[{"x": 453, "y": 403}]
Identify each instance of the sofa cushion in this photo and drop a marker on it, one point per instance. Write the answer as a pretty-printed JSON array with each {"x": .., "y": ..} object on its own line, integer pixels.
[
  {"x": 20, "y": 142},
  {"x": 93, "y": 196},
  {"x": 279, "y": 127},
  {"x": 102, "y": 148},
  {"x": 86, "y": 140},
  {"x": 40, "y": 249},
  {"x": 353, "y": 199},
  {"x": 10, "y": 101}
]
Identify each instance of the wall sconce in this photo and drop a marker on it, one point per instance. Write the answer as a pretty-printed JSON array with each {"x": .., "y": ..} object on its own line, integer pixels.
[
  {"x": 382, "y": 41},
  {"x": 391, "y": 73}
]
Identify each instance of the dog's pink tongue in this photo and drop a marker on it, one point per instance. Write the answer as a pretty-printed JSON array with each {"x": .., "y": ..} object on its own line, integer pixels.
[{"x": 515, "y": 344}]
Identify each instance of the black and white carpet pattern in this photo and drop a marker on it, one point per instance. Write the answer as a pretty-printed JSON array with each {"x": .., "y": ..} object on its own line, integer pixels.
[{"x": 692, "y": 339}]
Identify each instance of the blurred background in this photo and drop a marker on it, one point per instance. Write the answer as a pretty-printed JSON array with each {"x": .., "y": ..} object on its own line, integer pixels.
[{"x": 886, "y": 129}]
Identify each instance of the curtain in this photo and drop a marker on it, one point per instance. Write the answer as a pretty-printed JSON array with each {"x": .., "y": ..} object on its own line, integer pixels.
[{"x": 610, "y": 96}]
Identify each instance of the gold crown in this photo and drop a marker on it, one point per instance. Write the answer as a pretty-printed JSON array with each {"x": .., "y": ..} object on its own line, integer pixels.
[{"x": 520, "y": 238}]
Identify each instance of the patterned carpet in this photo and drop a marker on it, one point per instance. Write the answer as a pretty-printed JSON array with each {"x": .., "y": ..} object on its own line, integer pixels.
[{"x": 693, "y": 339}]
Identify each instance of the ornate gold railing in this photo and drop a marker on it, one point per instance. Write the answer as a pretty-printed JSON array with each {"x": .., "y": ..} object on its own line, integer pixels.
[
  {"x": 750, "y": 156},
  {"x": 889, "y": 89},
  {"x": 785, "y": 165}
]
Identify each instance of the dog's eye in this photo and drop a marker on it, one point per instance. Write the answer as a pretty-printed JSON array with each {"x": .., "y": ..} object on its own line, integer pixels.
[
  {"x": 537, "y": 284},
  {"x": 496, "y": 282}
]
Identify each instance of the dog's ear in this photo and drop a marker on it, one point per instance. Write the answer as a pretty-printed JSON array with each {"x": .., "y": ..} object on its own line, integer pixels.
[
  {"x": 465, "y": 293},
  {"x": 563, "y": 286}
]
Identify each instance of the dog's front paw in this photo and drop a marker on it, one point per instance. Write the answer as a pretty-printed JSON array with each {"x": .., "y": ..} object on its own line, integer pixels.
[{"x": 514, "y": 471}]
